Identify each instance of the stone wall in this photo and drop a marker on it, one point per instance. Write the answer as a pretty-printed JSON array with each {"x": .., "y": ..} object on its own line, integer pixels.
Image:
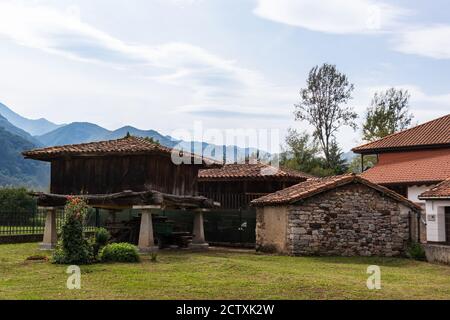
[
  {"x": 271, "y": 229},
  {"x": 437, "y": 253},
  {"x": 350, "y": 220}
]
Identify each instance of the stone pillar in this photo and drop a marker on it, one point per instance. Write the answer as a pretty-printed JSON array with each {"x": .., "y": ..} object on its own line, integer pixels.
[
  {"x": 198, "y": 242},
  {"x": 146, "y": 242},
  {"x": 50, "y": 235}
]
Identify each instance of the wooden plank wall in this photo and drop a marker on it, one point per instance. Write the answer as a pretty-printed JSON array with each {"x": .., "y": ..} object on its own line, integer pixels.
[{"x": 102, "y": 175}]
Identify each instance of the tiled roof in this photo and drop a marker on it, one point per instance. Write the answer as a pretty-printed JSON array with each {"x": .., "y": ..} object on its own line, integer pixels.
[
  {"x": 127, "y": 145},
  {"x": 251, "y": 171},
  {"x": 412, "y": 169},
  {"x": 429, "y": 134},
  {"x": 315, "y": 186},
  {"x": 441, "y": 191}
]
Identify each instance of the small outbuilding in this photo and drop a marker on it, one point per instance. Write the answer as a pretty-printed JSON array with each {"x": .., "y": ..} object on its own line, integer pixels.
[
  {"x": 235, "y": 185},
  {"x": 342, "y": 215}
]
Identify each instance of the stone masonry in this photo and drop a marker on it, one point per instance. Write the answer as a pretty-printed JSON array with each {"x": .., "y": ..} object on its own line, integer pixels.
[{"x": 349, "y": 220}]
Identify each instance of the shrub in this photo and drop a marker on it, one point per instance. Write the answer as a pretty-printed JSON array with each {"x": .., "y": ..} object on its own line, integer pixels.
[
  {"x": 119, "y": 252},
  {"x": 101, "y": 238},
  {"x": 415, "y": 251},
  {"x": 16, "y": 200},
  {"x": 73, "y": 247}
]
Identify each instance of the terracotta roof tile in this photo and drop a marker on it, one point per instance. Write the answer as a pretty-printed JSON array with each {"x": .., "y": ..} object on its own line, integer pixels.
[
  {"x": 127, "y": 145},
  {"x": 429, "y": 168},
  {"x": 252, "y": 171},
  {"x": 315, "y": 186},
  {"x": 441, "y": 191},
  {"x": 432, "y": 133}
]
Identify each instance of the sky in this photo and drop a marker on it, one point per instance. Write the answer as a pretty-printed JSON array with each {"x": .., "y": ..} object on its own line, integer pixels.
[{"x": 231, "y": 64}]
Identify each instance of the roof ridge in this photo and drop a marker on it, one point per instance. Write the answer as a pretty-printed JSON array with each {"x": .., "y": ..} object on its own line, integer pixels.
[
  {"x": 325, "y": 184},
  {"x": 401, "y": 132}
]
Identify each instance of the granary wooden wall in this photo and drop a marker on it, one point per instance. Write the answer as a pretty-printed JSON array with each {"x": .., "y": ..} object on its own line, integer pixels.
[
  {"x": 109, "y": 174},
  {"x": 238, "y": 193}
]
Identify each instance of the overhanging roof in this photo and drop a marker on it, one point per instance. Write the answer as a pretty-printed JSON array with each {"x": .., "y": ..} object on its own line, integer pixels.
[
  {"x": 251, "y": 171},
  {"x": 316, "y": 186},
  {"x": 432, "y": 134},
  {"x": 125, "y": 146},
  {"x": 441, "y": 191}
]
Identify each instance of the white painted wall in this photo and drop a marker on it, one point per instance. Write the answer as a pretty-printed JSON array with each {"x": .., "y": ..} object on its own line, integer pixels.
[
  {"x": 415, "y": 191},
  {"x": 435, "y": 213}
]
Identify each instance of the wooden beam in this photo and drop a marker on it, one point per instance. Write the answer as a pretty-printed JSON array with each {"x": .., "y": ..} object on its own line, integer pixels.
[{"x": 129, "y": 199}]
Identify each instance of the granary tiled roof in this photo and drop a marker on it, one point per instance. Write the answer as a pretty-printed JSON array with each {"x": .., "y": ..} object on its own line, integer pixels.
[
  {"x": 251, "y": 171},
  {"x": 127, "y": 145},
  {"x": 434, "y": 133},
  {"x": 312, "y": 187},
  {"x": 441, "y": 191},
  {"x": 412, "y": 169}
]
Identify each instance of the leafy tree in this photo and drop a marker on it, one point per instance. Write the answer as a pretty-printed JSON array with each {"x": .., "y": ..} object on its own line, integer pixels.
[
  {"x": 303, "y": 152},
  {"x": 355, "y": 164},
  {"x": 16, "y": 200},
  {"x": 321, "y": 104},
  {"x": 336, "y": 162},
  {"x": 388, "y": 113}
]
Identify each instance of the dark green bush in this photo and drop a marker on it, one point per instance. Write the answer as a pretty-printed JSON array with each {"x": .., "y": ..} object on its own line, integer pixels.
[
  {"x": 16, "y": 200},
  {"x": 101, "y": 239},
  {"x": 73, "y": 247},
  {"x": 415, "y": 251},
  {"x": 119, "y": 252},
  {"x": 102, "y": 236}
]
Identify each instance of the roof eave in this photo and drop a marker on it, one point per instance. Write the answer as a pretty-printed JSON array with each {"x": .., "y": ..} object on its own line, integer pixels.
[{"x": 366, "y": 151}]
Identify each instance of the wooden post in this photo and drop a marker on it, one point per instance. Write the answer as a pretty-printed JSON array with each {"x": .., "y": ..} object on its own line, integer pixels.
[
  {"x": 198, "y": 242},
  {"x": 146, "y": 241},
  {"x": 362, "y": 162},
  {"x": 50, "y": 235}
]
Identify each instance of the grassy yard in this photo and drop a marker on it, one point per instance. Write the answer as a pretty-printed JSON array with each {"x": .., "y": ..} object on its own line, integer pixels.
[{"x": 221, "y": 275}]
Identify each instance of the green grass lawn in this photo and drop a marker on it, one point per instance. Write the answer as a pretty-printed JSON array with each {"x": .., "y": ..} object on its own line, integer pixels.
[{"x": 221, "y": 275}]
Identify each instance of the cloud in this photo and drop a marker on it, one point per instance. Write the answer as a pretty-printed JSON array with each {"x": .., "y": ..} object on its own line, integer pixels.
[
  {"x": 232, "y": 112},
  {"x": 333, "y": 16},
  {"x": 211, "y": 79},
  {"x": 431, "y": 41}
]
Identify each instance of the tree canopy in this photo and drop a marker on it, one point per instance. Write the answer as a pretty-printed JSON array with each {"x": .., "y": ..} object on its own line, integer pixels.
[
  {"x": 387, "y": 114},
  {"x": 322, "y": 104}
]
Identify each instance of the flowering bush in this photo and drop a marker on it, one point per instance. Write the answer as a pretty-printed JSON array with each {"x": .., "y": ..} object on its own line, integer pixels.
[{"x": 73, "y": 247}]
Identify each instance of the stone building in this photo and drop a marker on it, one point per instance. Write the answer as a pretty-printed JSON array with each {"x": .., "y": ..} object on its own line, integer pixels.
[{"x": 343, "y": 215}]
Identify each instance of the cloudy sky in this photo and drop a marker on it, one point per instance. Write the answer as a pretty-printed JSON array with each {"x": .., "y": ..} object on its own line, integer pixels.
[{"x": 163, "y": 64}]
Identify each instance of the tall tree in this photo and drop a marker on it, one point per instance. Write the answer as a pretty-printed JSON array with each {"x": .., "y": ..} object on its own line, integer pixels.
[
  {"x": 322, "y": 104},
  {"x": 387, "y": 114},
  {"x": 302, "y": 152}
]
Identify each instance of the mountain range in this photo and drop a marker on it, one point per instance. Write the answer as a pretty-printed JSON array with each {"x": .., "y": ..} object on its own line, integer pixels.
[
  {"x": 33, "y": 127},
  {"x": 28, "y": 134}
]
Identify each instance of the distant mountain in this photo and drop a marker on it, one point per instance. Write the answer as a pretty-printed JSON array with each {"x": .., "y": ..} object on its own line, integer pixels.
[
  {"x": 80, "y": 132},
  {"x": 76, "y": 132},
  {"x": 33, "y": 127},
  {"x": 8, "y": 126},
  {"x": 348, "y": 156},
  {"x": 14, "y": 169},
  {"x": 121, "y": 132}
]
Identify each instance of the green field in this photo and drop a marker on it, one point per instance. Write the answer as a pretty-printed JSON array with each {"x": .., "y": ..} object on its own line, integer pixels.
[{"x": 221, "y": 274}]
